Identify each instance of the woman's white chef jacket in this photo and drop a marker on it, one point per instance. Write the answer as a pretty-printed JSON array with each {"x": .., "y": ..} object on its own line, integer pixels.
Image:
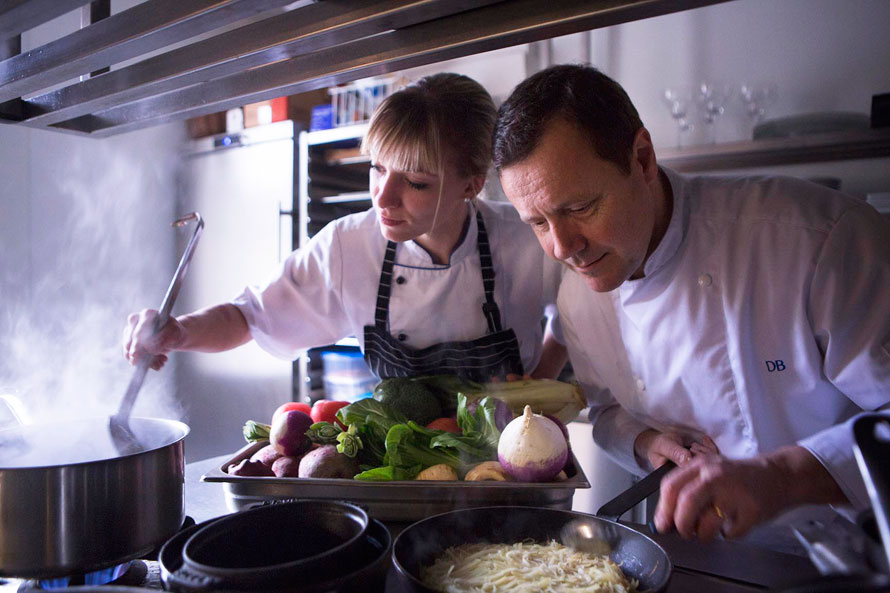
[
  {"x": 763, "y": 320},
  {"x": 327, "y": 290}
]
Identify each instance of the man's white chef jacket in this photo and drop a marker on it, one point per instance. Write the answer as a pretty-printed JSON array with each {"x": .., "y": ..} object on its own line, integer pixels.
[
  {"x": 327, "y": 291},
  {"x": 763, "y": 320}
]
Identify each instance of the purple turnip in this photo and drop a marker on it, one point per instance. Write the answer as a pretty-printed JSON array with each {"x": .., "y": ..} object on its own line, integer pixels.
[
  {"x": 532, "y": 448},
  {"x": 288, "y": 433}
]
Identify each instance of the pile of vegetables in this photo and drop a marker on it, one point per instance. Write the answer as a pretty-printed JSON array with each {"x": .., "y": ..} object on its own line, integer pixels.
[{"x": 424, "y": 428}]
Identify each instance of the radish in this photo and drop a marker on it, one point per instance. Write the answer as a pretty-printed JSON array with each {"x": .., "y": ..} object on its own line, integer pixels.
[
  {"x": 288, "y": 433},
  {"x": 532, "y": 448}
]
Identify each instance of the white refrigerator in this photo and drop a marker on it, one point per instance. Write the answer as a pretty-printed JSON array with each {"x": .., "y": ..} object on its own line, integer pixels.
[{"x": 243, "y": 186}]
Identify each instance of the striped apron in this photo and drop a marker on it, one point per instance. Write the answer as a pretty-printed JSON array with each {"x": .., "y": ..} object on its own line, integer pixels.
[{"x": 494, "y": 354}]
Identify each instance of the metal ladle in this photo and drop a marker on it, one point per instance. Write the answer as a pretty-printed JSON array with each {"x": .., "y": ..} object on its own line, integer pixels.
[
  {"x": 121, "y": 434},
  {"x": 597, "y": 535}
]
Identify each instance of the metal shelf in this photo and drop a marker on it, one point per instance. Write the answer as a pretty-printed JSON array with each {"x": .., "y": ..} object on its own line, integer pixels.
[
  {"x": 836, "y": 146},
  {"x": 360, "y": 196}
]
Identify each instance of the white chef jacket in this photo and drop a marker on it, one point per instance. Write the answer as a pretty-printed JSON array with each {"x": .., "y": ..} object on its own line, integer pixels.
[
  {"x": 327, "y": 291},
  {"x": 763, "y": 320}
]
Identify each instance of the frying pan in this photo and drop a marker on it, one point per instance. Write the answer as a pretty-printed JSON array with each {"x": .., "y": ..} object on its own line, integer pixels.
[{"x": 422, "y": 542}]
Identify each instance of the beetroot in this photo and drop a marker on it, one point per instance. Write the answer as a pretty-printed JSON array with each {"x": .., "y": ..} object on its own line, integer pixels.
[
  {"x": 286, "y": 467},
  {"x": 288, "y": 433},
  {"x": 246, "y": 467},
  {"x": 267, "y": 455},
  {"x": 327, "y": 462}
]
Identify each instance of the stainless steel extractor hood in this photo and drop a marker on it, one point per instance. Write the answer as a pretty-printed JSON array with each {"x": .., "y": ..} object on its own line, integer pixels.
[{"x": 205, "y": 56}]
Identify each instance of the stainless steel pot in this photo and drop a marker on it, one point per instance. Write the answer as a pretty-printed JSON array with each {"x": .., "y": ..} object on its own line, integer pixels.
[{"x": 70, "y": 504}]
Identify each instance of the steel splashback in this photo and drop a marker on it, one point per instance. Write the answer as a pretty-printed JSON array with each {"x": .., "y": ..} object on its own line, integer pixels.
[{"x": 207, "y": 56}]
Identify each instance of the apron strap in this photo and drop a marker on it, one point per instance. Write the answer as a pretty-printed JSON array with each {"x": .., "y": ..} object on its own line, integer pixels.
[
  {"x": 489, "y": 307},
  {"x": 381, "y": 310}
]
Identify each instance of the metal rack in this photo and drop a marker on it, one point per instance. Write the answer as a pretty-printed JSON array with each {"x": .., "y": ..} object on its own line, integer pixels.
[{"x": 328, "y": 187}]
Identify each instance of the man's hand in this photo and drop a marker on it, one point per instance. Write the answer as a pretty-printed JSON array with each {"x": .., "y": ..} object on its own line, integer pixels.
[
  {"x": 657, "y": 447},
  {"x": 712, "y": 494}
]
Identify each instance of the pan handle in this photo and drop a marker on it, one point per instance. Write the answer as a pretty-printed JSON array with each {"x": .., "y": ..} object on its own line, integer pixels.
[
  {"x": 634, "y": 495},
  {"x": 871, "y": 434}
]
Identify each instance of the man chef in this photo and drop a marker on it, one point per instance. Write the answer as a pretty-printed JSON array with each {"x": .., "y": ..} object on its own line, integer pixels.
[{"x": 751, "y": 310}]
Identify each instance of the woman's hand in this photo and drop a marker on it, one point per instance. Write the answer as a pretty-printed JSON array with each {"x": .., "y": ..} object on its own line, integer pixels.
[
  {"x": 658, "y": 447},
  {"x": 140, "y": 338}
]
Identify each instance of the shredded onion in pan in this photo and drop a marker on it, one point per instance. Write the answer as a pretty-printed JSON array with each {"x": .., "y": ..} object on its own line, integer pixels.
[{"x": 525, "y": 567}]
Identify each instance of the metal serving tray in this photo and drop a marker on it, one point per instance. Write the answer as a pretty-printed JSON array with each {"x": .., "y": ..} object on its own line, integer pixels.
[{"x": 397, "y": 500}]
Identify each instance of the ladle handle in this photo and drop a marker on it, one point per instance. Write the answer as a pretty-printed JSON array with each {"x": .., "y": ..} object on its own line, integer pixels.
[
  {"x": 129, "y": 400},
  {"x": 871, "y": 433}
]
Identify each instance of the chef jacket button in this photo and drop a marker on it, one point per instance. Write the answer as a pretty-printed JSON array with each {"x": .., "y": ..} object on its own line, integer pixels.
[
  {"x": 402, "y": 337},
  {"x": 641, "y": 385},
  {"x": 400, "y": 280},
  {"x": 704, "y": 280}
]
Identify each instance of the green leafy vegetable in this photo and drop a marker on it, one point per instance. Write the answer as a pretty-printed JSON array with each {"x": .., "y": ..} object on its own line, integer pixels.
[
  {"x": 372, "y": 420},
  {"x": 348, "y": 442},
  {"x": 388, "y": 473},
  {"x": 323, "y": 433},
  {"x": 256, "y": 431},
  {"x": 406, "y": 447}
]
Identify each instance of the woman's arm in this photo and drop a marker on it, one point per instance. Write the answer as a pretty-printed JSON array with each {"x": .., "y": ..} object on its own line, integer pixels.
[
  {"x": 553, "y": 358},
  {"x": 214, "y": 329}
]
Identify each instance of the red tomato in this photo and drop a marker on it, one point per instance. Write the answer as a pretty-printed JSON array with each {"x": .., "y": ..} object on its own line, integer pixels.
[
  {"x": 289, "y": 406},
  {"x": 325, "y": 410},
  {"x": 448, "y": 424}
]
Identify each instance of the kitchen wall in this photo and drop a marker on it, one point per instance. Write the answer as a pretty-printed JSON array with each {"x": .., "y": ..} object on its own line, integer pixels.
[
  {"x": 84, "y": 236},
  {"x": 85, "y": 239}
]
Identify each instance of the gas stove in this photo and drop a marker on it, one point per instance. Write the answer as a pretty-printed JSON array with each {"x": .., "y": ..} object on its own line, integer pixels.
[{"x": 143, "y": 573}]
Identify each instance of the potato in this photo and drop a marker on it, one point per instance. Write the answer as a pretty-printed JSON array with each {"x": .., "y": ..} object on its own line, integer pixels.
[
  {"x": 267, "y": 455},
  {"x": 327, "y": 462},
  {"x": 249, "y": 468},
  {"x": 286, "y": 467},
  {"x": 439, "y": 471}
]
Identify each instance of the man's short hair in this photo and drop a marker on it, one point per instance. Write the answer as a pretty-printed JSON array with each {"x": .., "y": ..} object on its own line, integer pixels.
[{"x": 581, "y": 95}]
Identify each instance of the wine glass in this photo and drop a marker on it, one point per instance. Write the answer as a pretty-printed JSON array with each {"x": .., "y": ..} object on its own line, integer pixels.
[
  {"x": 678, "y": 101},
  {"x": 712, "y": 98},
  {"x": 757, "y": 97}
]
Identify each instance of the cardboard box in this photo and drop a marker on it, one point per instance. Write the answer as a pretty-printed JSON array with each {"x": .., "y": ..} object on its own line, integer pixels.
[{"x": 265, "y": 112}]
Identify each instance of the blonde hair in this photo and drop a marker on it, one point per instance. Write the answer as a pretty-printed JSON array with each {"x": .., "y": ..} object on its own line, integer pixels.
[{"x": 442, "y": 116}]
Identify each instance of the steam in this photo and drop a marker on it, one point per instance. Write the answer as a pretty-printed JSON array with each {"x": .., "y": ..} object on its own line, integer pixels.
[{"x": 100, "y": 247}]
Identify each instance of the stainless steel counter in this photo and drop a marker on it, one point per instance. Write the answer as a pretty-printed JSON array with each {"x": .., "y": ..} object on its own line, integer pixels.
[{"x": 719, "y": 567}]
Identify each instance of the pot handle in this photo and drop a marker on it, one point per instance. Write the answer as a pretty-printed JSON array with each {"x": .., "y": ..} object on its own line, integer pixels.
[
  {"x": 871, "y": 434},
  {"x": 12, "y": 410}
]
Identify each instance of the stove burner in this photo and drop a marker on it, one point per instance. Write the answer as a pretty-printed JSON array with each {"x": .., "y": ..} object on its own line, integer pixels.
[
  {"x": 97, "y": 577},
  {"x": 143, "y": 573}
]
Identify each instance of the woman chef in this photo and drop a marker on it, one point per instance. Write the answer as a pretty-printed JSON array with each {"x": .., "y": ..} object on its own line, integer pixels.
[{"x": 430, "y": 280}]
